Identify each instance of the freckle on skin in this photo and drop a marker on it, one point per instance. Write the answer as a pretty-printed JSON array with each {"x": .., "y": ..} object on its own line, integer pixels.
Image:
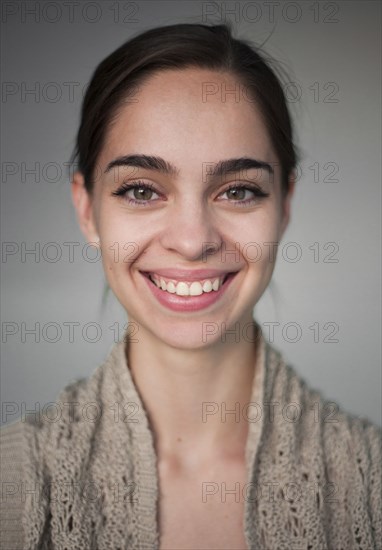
[{"x": 179, "y": 439}]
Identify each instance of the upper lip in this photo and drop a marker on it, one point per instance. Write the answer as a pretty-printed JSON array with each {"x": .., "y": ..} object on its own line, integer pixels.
[{"x": 189, "y": 274}]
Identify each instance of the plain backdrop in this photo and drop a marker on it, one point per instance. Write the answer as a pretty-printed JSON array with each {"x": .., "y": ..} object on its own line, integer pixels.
[{"x": 325, "y": 304}]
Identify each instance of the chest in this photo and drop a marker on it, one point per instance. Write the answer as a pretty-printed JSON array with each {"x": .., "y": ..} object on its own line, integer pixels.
[{"x": 203, "y": 511}]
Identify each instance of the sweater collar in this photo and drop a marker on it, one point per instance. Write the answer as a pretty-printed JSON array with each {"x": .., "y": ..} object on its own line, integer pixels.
[{"x": 117, "y": 368}]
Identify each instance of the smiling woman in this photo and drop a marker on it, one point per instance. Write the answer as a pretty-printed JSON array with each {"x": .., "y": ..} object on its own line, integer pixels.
[{"x": 200, "y": 180}]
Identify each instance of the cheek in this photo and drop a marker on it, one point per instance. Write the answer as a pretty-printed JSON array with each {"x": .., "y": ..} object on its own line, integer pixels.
[
  {"x": 259, "y": 244},
  {"x": 258, "y": 232},
  {"x": 117, "y": 241}
]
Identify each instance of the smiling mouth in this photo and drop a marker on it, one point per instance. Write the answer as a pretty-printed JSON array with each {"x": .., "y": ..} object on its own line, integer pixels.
[{"x": 189, "y": 289}]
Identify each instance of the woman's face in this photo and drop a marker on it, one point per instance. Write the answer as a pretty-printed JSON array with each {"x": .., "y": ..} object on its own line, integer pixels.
[{"x": 193, "y": 120}]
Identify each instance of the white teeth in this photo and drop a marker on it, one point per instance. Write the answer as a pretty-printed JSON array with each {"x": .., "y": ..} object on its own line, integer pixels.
[
  {"x": 170, "y": 287},
  {"x": 207, "y": 287},
  {"x": 216, "y": 284},
  {"x": 184, "y": 289},
  {"x": 196, "y": 289}
]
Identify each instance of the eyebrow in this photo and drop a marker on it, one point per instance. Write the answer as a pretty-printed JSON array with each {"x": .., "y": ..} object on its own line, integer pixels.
[{"x": 215, "y": 170}]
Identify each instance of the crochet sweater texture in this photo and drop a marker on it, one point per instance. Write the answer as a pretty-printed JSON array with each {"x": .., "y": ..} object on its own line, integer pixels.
[{"x": 83, "y": 476}]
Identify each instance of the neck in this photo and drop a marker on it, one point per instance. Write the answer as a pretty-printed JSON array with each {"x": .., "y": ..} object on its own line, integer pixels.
[{"x": 195, "y": 398}]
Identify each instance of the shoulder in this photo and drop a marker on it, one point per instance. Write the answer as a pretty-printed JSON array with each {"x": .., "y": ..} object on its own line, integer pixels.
[
  {"x": 304, "y": 405},
  {"x": 12, "y": 474},
  {"x": 325, "y": 449},
  {"x": 24, "y": 446},
  {"x": 30, "y": 429}
]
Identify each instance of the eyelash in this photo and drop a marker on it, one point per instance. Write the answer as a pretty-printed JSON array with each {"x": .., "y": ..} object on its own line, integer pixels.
[{"x": 125, "y": 187}]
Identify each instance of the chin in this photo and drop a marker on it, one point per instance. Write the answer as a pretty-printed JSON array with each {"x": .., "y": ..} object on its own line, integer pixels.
[{"x": 188, "y": 335}]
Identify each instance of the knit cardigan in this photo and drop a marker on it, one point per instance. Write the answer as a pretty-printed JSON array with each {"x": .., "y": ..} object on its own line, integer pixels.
[{"x": 83, "y": 475}]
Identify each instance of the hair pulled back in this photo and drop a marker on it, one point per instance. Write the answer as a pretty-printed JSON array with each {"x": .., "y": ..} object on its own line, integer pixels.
[{"x": 178, "y": 47}]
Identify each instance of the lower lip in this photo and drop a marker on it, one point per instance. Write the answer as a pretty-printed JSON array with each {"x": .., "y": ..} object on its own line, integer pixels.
[{"x": 188, "y": 303}]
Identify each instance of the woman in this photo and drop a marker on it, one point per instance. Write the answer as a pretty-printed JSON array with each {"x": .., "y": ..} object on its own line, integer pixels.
[{"x": 194, "y": 433}]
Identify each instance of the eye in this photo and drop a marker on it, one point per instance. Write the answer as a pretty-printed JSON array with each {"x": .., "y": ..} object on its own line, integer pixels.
[
  {"x": 237, "y": 193},
  {"x": 142, "y": 192}
]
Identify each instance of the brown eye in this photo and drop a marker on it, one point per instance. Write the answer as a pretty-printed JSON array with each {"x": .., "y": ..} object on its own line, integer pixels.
[
  {"x": 142, "y": 193},
  {"x": 236, "y": 193},
  {"x": 137, "y": 193}
]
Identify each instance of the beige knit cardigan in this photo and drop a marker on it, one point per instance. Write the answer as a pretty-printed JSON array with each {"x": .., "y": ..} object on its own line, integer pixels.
[{"x": 83, "y": 475}]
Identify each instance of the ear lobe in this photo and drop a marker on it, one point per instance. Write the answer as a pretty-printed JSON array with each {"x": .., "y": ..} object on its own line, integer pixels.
[{"x": 83, "y": 205}]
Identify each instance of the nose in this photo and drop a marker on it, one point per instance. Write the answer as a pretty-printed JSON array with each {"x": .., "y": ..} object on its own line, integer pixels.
[{"x": 191, "y": 230}]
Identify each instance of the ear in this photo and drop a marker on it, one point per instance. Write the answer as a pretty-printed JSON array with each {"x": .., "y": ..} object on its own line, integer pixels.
[
  {"x": 286, "y": 204},
  {"x": 83, "y": 204}
]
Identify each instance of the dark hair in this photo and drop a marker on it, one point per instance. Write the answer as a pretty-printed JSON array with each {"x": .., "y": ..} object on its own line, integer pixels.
[{"x": 177, "y": 47}]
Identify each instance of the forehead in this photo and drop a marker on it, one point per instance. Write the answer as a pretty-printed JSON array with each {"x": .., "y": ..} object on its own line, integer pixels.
[{"x": 189, "y": 116}]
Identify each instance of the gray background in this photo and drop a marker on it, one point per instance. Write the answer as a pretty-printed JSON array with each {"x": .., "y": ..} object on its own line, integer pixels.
[{"x": 55, "y": 49}]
